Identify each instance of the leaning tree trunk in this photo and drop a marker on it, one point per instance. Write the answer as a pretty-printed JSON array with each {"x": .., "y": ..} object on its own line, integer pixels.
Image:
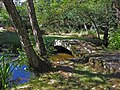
[
  {"x": 98, "y": 34},
  {"x": 35, "y": 27},
  {"x": 35, "y": 63}
]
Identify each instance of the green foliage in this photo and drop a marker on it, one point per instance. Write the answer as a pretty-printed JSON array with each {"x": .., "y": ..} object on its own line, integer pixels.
[
  {"x": 22, "y": 57},
  {"x": 4, "y": 18},
  {"x": 52, "y": 14},
  {"x": 114, "y": 41},
  {"x": 22, "y": 10},
  {"x": 5, "y": 72},
  {"x": 92, "y": 32}
]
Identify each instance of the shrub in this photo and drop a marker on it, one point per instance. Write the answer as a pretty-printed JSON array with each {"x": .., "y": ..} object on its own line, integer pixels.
[{"x": 114, "y": 40}]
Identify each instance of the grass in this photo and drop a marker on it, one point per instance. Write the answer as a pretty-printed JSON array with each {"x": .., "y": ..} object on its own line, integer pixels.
[
  {"x": 77, "y": 80},
  {"x": 73, "y": 77}
]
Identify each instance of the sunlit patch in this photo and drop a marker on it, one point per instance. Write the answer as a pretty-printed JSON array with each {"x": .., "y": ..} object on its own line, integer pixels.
[{"x": 60, "y": 56}]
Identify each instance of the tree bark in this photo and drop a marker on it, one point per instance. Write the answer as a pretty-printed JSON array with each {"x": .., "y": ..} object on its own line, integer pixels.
[
  {"x": 35, "y": 63},
  {"x": 106, "y": 29},
  {"x": 35, "y": 27},
  {"x": 105, "y": 38}
]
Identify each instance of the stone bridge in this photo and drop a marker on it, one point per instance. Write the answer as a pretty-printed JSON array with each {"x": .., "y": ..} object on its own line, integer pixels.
[
  {"x": 90, "y": 53},
  {"x": 77, "y": 47}
]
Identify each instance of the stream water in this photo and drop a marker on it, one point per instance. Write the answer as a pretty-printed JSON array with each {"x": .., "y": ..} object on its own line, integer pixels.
[{"x": 21, "y": 75}]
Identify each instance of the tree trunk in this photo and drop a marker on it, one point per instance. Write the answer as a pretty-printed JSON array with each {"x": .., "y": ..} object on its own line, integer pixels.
[
  {"x": 35, "y": 27},
  {"x": 98, "y": 34},
  {"x": 106, "y": 29},
  {"x": 35, "y": 63},
  {"x": 105, "y": 38}
]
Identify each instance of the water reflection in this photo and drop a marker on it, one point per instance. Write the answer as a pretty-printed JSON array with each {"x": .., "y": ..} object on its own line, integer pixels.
[{"x": 21, "y": 75}]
